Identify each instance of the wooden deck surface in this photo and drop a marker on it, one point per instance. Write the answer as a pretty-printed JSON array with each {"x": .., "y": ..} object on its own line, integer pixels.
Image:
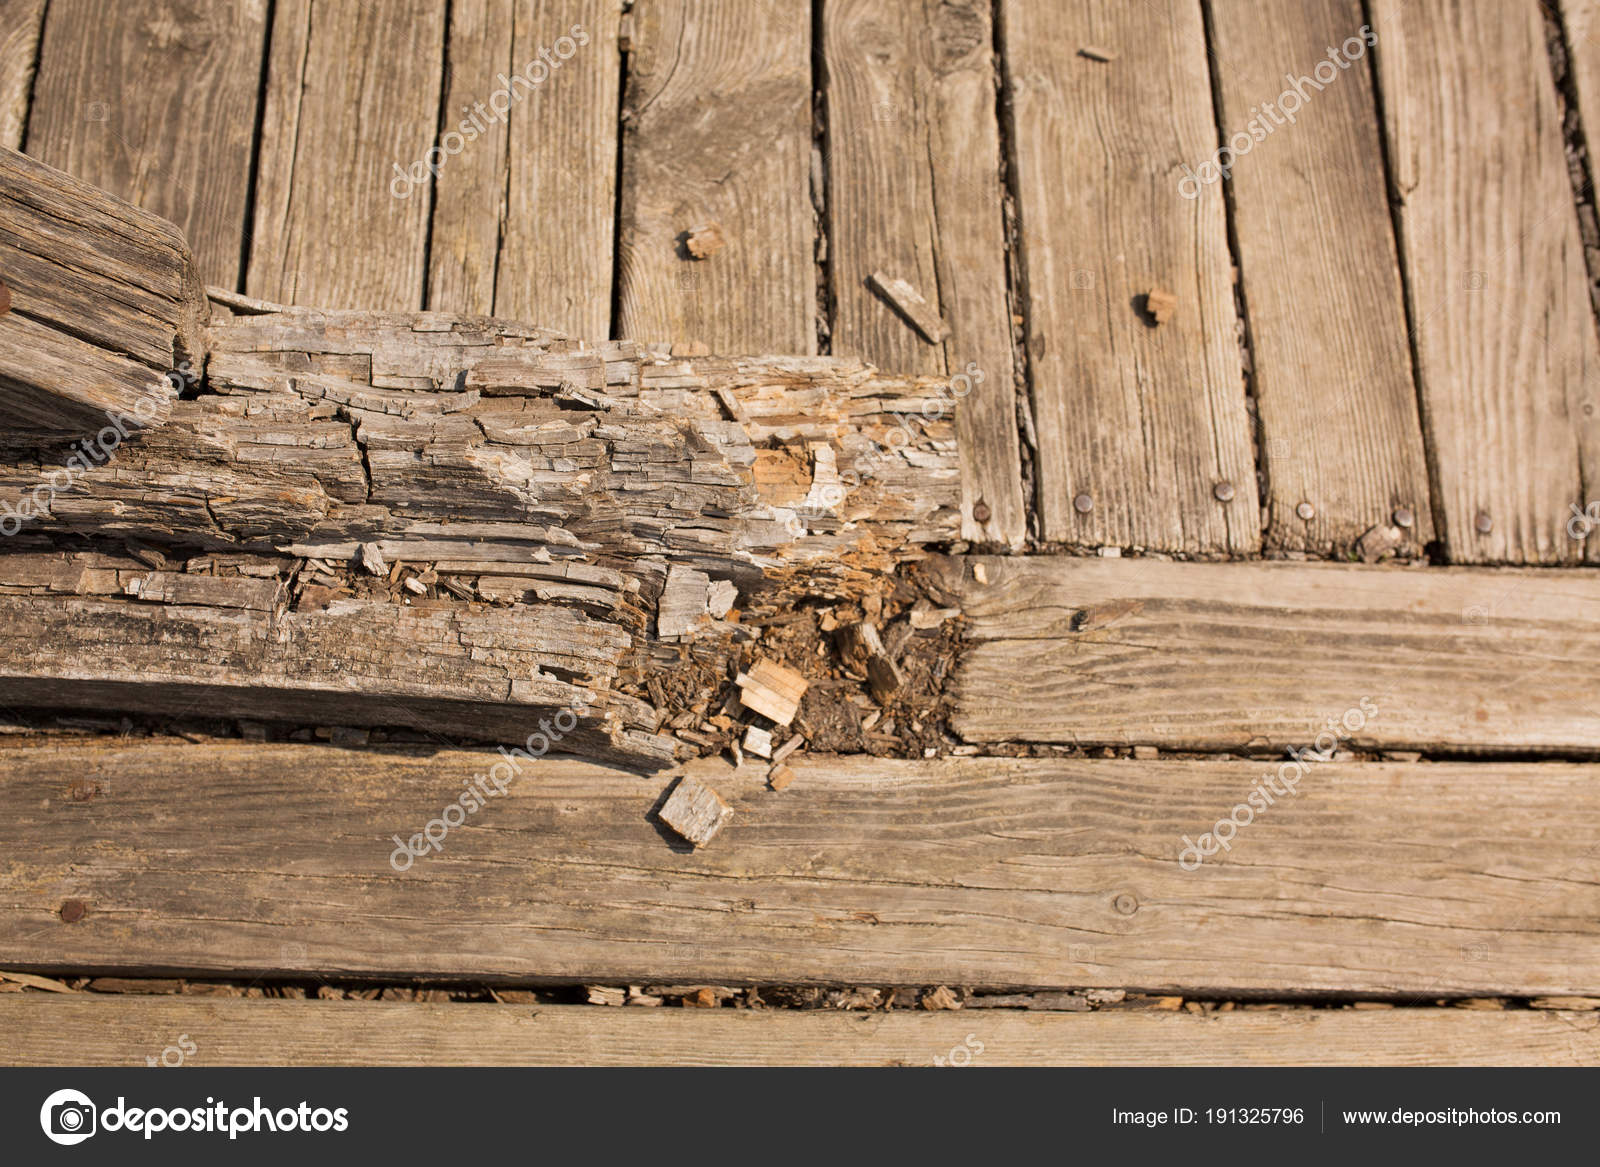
[{"x": 1373, "y": 337}]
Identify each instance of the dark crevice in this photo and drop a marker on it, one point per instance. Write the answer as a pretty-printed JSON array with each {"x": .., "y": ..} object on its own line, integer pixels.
[
  {"x": 1019, "y": 301},
  {"x": 821, "y": 182},
  {"x": 255, "y": 150},
  {"x": 1580, "y": 171},
  {"x": 33, "y": 80},
  {"x": 438, "y": 143},
  {"x": 625, "y": 52},
  {"x": 1241, "y": 307},
  {"x": 1436, "y": 550}
]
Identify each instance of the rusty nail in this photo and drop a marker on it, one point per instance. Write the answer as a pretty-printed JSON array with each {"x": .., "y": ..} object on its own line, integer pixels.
[
  {"x": 1306, "y": 511},
  {"x": 1403, "y": 517},
  {"x": 1484, "y": 523},
  {"x": 1083, "y": 504},
  {"x": 980, "y": 512},
  {"x": 72, "y": 911},
  {"x": 1223, "y": 491}
]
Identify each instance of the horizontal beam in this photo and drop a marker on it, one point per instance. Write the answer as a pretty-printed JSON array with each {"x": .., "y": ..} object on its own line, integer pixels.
[
  {"x": 1278, "y": 655},
  {"x": 91, "y": 1030},
  {"x": 1425, "y": 880}
]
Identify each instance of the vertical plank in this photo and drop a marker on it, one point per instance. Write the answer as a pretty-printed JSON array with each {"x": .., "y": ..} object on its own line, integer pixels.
[
  {"x": 1137, "y": 424},
  {"x": 556, "y": 260},
  {"x": 1332, "y": 360},
  {"x": 19, "y": 52},
  {"x": 469, "y": 210},
  {"x": 915, "y": 191},
  {"x": 352, "y": 93},
  {"x": 1505, "y": 339},
  {"x": 717, "y": 129},
  {"x": 156, "y": 102}
]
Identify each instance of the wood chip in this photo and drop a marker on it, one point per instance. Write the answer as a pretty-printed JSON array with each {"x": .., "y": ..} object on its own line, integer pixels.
[
  {"x": 695, "y": 811},
  {"x": 1378, "y": 541},
  {"x": 940, "y": 998},
  {"x": 788, "y": 748},
  {"x": 779, "y": 776},
  {"x": 910, "y": 303},
  {"x": 371, "y": 559},
  {"x": 1160, "y": 304},
  {"x": 704, "y": 241},
  {"x": 35, "y": 982},
  {"x": 721, "y": 597},
  {"x": 1096, "y": 53},
  {"x": 605, "y": 995},
  {"x": 772, "y": 690},
  {"x": 862, "y": 651},
  {"x": 758, "y": 741},
  {"x": 416, "y": 586}
]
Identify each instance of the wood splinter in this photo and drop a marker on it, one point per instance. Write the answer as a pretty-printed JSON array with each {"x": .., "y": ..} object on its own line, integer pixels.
[
  {"x": 909, "y": 302},
  {"x": 772, "y": 690},
  {"x": 695, "y": 811}
]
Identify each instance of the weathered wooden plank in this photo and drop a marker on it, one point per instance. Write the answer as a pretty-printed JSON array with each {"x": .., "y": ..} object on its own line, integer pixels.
[
  {"x": 469, "y": 211},
  {"x": 717, "y": 130},
  {"x": 1504, "y": 333},
  {"x": 1332, "y": 361},
  {"x": 352, "y": 113},
  {"x": 1269, "y": 655},
  {"x": 914, "y": 189},
  {"x": 90, "y": 1030},
  {"x": 556, "y": 259},
  {"x": 156, "y": 102},
  {"x": 19, "y": 54},
  {"x": 1138, "y": 424},
  {"x": 1427, "y": 879},
  {"x": 104, "y": 299}
]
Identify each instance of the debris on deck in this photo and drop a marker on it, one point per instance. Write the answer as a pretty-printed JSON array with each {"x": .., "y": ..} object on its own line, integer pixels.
[
  {"x": 911, "y": 304},
  {"x": 695, "y": 811}
]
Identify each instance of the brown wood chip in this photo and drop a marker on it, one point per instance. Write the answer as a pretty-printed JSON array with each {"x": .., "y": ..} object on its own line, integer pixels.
[
  {"x": 1160, "y": 304},
  {"x": 911, "y": 304},
  {"x": 695, "y": 811}
]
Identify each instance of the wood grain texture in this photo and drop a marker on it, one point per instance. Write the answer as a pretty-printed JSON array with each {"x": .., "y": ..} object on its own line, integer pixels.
[
  {"x": 469, "y": 212},
  {"x": 155, "y": 100},
  {"x": 19, "y": 54},
  {"x": 353, "y": 91},
  {"x": 717, "y": 129},
  {"x": 1329, "y": 345},
  {"x": 1505, "y": 337},
  {"x": 556, "y": 259},
  {"x": 915, "y": 190},
  {"x": 1266, "y": 655},
  {"x": 1432, "y": 880},
  {"x": 90, "y": 1030},
  {"x": 1143, "y": 420}
]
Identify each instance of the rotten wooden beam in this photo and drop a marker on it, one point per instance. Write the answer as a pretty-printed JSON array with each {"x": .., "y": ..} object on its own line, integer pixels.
[{"x": 107, "y": 311}]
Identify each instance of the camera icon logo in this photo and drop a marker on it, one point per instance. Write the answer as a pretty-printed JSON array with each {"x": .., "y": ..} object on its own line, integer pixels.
[{"x": 68, "y": 1117}]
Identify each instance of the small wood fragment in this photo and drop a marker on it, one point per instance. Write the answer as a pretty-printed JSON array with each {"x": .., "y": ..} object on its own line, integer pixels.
[
  {"x": 940, "y": 998},
  {"x": 772, "y": 690},
  {"x": 1571, "y": 1004},
  {"x": 758, "y": 741},
  {"x": 911, "y": 304},
  {"x": 605, "y": 995},
  {"x": 788, "y": 748},
  {"x": 371, "y": 559},
  {"x": 1160, "y": 304},
  {"x": 779, "y": 776},
  {"x": 683, "y": 602},
  {"x": 695, "y": 811},
  {"x": 1379, "y": 541},
  {"x": 1096, "y": 53},
  {"x": 862, "y": 650},
  {"x": 704, "y": 241}
]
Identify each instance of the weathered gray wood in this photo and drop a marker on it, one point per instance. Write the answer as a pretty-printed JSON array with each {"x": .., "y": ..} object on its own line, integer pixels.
[
  {"x": 1266, "y": 656},
  {"x": 1505, "y": 336},
  {"x": 1137, "y": 424},
  {"x": 556, "y": 259},
  {"x": 914, "y": 188},
  {"x": 718, "y": 130},
  {"x": 117, "y": 1030},
  {"x": 352, "y": 93},
  {"x": 1434, "y": 880},
  {"x": 469, "y": 213},
  {"x": 156, "y": 102},
  {"x": 1329, "y": 347},
  {"x": 104, "y": 301},
  {"x": 19, "y": 54}
]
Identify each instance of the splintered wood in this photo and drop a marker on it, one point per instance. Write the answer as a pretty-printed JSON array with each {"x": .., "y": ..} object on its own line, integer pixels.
[
  {"x": 772, "y": 690},
  {"x": 911, "y": 304},
  {"x": 695, "y": 811}
]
